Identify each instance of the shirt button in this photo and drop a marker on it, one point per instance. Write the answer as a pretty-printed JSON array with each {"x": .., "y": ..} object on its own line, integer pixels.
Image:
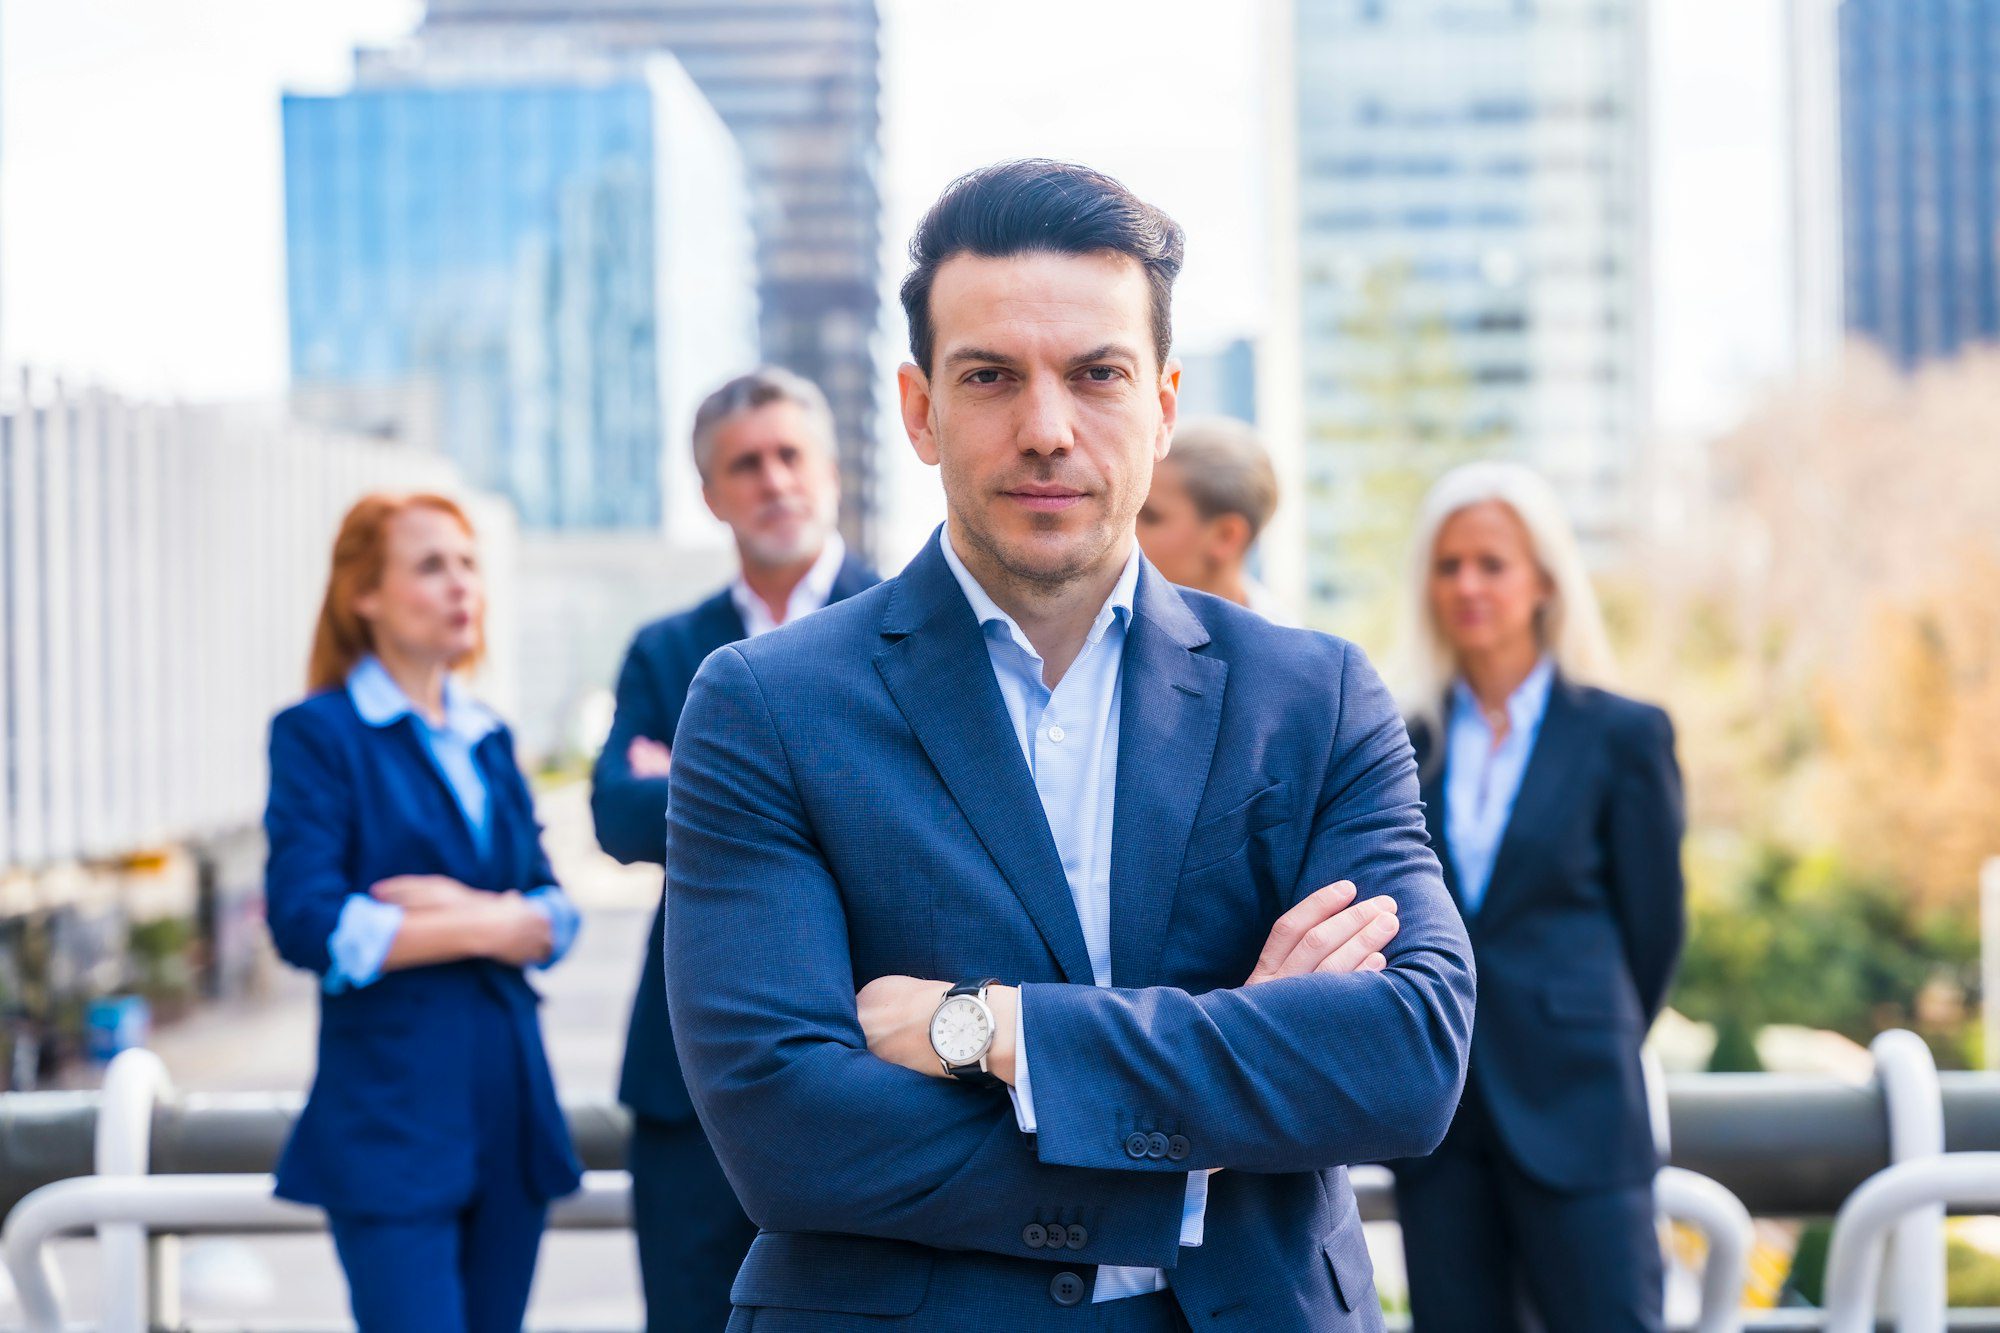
[
  {"x": 1056, "y": 734},
  {"x": 1034, "y": 1235},
  {"x": 1136, "y": 1145},
  {"x": 1066, "y": 1288}
]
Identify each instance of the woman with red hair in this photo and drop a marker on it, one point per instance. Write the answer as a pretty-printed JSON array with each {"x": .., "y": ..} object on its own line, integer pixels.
[{"x": 406, "y": 870}]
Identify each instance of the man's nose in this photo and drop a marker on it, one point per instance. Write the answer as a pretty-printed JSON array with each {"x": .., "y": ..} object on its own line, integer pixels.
[{"x": 1045, "y": 424}]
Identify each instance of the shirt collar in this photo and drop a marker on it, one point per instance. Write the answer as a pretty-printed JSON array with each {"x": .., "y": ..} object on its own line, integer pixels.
[
  {"x": 1117, "y": 606},
  {"x": 1525, "y": 705},
  {"x": 811, "y": 594},
  {"x": 381, "y": 701}
]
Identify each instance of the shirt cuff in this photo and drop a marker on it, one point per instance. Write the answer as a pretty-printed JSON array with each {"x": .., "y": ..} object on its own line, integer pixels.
[
  {"x": 1194, "y": 1209},
  {"x": 564, "y": 920},
  {"x": 1021, "y": 1090},
  {"x": 360, "y": 942}
]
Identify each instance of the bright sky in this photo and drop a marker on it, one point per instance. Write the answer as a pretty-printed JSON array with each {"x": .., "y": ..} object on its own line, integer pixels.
[{"x": 141, "y": 228}]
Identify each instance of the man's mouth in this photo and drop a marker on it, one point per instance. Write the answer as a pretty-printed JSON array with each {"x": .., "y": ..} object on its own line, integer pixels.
[{"x": 1044, "y": 499}]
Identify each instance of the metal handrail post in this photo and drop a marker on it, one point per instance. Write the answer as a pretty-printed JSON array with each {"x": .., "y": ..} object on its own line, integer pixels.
[
  {"x": 1725, "y": 1223},
  {"x": 1914, "y": 1106},
  {"x": 1860, "y": 1229},
  {"x": 134, "y": 1083}
]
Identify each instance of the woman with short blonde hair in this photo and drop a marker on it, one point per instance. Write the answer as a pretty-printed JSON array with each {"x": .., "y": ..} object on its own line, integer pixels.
[{"x": 1555, "y": 809}]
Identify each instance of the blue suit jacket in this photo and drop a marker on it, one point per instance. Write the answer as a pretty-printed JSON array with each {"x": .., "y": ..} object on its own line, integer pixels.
[
  {"x": 388, "y": 1129},
  {"x": 631, "y": 812},
  {"x": 1576, "y": 938},
  {"x": 849, "y": 801}
]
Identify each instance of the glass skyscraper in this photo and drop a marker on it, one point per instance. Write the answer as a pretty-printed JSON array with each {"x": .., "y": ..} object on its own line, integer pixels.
[
  {"x": 535, "y": 267},
  {"x": 1920, "y": 168},
  {"x": 798, "y": 83},
  {"x": 1460, "y": 267}
]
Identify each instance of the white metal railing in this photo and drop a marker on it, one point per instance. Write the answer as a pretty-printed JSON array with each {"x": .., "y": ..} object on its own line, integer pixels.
[
  {"x": 160, "y": 570},
  {"x": 1861, "y": 1228}
]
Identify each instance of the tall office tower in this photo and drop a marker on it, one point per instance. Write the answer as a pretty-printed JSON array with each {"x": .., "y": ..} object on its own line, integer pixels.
[
  {"x": 1461, "y": 270},
  {"x": 1920, "y": 157},
  {"x": 797, "y": 81},
  {"x": 536, "y": 265}
]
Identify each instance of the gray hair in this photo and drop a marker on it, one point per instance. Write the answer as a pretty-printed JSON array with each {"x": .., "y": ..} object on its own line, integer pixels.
[
  {"x": 1226, "y": 470},
  {"x": 759, "y": 388}
]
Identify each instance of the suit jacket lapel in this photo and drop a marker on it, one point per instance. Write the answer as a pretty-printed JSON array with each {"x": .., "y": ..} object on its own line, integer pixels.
[
  {"x": 937, "y": 670},
  {"x": 1431, "y": 754},
  {"x": 1537, "y": 802},
  {"x": 1168, "y": 719}
]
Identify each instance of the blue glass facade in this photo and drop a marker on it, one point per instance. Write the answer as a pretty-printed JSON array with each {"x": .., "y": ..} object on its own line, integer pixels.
[
  {"x": 487, "y": 254},
  {"x": 1920, "y": 166}
]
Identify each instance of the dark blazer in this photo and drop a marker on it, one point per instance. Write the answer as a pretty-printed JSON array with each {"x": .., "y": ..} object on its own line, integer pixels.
[
  {"x": 388, "y": 1130},
  {"x": 631, "y": 812},
  {"x": 849, "y": 801},
  {"x": 1576, "y": 937}
]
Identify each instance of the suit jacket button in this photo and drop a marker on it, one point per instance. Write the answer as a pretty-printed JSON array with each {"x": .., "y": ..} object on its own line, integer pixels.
[
  {"x": 1078, "y": 1237},
  {"x": 1156, "y": 1146},
  {"x": 1034, "y": 1235},
  {"x": 1136, "y": 1145},
  {"x": 1177, "y": 1148},
  {"x": 1066, "y": 1288}
]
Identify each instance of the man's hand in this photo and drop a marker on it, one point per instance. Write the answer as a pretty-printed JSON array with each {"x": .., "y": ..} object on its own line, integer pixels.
[
  {"x": 648, "y": 758},
  {"x": 1328, "y": 932},
  {"x": 419, "y": 893},
  {"x": 895, "y": 1015},
  {"x": 510, "y": 929}
]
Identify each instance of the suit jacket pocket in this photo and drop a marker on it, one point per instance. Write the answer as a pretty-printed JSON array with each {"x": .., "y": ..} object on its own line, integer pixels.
[
  {"x": 1587, "y": 1004},
  {"x": 1221, "y": 837},
  {"x": 1353, "y": 1272},
  {"x": 798, "y": 1270}
]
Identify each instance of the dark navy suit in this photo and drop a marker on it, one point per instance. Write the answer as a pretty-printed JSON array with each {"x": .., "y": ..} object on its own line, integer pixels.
[
  {"x": 1544, "y": 1185},
  {"x": 692, "y": 1233},
  {"x": 432, "y": 1102},
  {"x": 850, "y": 801}
]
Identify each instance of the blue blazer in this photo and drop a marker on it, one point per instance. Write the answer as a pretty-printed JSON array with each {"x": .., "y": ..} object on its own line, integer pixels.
[
  {"x": 1576, "y": 937},
  {"x": 389, "y": 1127},
  {"x": 849, "y": 801},
  {"x": 631, "y": 812}
]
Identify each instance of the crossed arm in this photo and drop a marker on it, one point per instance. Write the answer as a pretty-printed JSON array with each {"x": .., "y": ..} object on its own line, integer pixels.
[{"x": 817, "y": 1133}]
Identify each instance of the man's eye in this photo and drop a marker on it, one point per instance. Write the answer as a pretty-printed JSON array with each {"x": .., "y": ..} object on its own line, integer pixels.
[
  {"x": 1102, "y": 374},
  {"x": 987, "y": 376}
]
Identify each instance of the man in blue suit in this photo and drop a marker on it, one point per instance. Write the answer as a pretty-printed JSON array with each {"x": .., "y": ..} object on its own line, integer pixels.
[
  {"x": 1133, "y": 884},
  {"x": 764, "y": 446}
]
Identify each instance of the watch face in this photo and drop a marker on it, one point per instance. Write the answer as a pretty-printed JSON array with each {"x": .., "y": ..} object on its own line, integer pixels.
[{"x": 961, "y": 1030}]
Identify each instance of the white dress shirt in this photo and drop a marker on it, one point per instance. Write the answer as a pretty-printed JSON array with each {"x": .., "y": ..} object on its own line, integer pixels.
[
  {"x": 810, "y": 594},
  {"x": 1482, "y": 777},
  {"x": 1069, "y": 736}
]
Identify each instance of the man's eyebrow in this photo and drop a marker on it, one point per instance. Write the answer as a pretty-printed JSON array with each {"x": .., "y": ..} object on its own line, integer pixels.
[
  {"x": 1106, "y": 352},
  {"x": 965, "y": 354}
]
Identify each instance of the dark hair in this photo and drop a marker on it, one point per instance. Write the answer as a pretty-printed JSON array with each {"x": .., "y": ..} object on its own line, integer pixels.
[{"x": 1037, "y": 205}]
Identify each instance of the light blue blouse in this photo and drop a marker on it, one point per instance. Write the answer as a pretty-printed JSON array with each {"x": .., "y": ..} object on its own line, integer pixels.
[
  {"x": 1482, "y": 779},
  {"x": 367, "y": 927}
]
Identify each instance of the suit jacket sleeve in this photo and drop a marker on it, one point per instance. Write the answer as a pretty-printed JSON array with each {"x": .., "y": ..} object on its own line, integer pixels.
[
  {"x": 307, "y": 824},
  {"x": 814, "y": 1132},
  {"x": 1645, "y": 822},
  {"x": 1305, "y": 1073},
  {"x": 630, "y": 811}
]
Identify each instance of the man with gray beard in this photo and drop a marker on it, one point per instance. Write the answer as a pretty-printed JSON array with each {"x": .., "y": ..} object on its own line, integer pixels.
[{"x": 764, "y": 446}]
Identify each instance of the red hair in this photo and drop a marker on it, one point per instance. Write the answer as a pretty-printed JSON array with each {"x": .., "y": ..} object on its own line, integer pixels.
[{"x": 360, "y": 551}]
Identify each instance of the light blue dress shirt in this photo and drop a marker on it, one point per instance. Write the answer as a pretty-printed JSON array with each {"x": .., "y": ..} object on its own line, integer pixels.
[
  {"x": 1482, "y": 778},
  {"x": 367, "y": 927},
  {"x": 1069, "y": 736}
]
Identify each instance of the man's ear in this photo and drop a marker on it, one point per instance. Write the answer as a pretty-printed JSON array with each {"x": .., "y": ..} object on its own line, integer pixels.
[
  {"x": 1170, "y": 406},
  {"x": 913, "y": 391}
]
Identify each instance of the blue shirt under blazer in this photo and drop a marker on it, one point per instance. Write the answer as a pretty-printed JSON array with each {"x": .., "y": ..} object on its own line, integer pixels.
[
  {"x": 1577, "y": 935},
  {"x": 389, "y": 1128},
  {"x": 849, "y": 801},
  {"x": 630, "y": 811}
]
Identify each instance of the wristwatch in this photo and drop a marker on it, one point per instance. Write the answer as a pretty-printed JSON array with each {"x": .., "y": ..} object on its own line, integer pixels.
[{"x": 962, "y": 1033}]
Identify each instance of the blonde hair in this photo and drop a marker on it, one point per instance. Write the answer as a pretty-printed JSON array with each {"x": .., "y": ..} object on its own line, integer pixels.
[{"x": 1569, "y": 625}]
